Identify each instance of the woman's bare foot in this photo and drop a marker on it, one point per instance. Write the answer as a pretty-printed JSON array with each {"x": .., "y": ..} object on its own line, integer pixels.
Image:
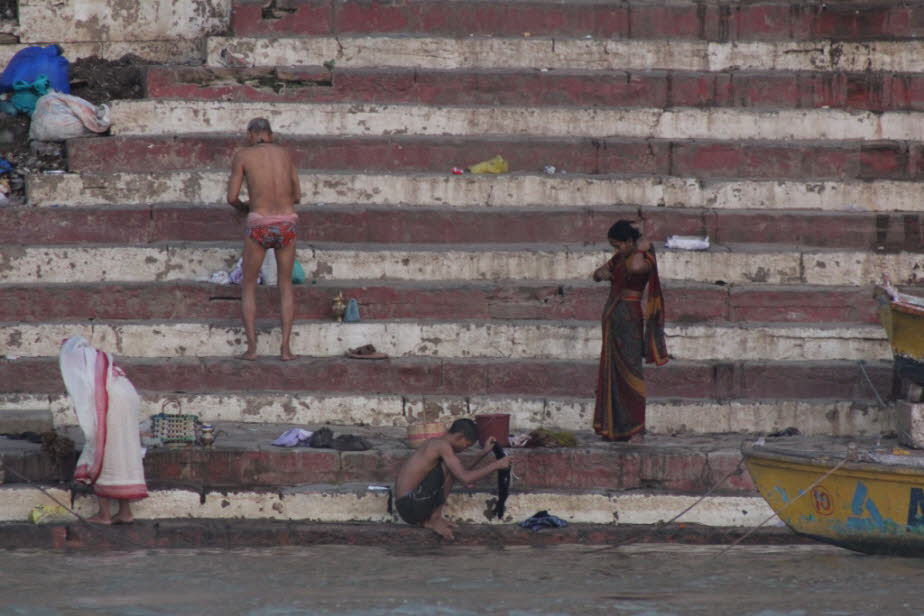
[
  {"x": 248, "y": 356},
  {"x": 637, "y": 439},
  {"x": 287, "y": 355},
  {"x": 123, "y": 518},
  {"x": 99, "y": 518},
  {"x": 441, "y": 527}
]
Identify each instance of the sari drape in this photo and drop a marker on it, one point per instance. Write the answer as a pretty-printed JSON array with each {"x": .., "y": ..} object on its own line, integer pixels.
[
  {"x": 107, "y": 408},
  {"x": 631, "y": 335}
]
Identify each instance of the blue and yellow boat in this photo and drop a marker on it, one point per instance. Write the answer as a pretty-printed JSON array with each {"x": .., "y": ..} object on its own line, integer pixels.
[{"x": 870, "y": 500}]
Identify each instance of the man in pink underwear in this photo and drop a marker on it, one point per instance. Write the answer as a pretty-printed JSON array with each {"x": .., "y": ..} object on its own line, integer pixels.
[{"x": 272, "y": 183}]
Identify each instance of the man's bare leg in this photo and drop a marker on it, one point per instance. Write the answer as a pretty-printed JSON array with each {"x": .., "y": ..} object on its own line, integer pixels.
[
  {"x": 124, "y": 516},
  {"x": 253, "y": 259},
  {"x": 285, "y": 261},
  {"x": 437, "y": 523},
  {"x": 103, "y": 516}
]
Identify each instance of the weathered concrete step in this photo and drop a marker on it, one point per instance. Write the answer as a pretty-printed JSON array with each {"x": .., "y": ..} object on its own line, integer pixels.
[
  {"x": 636, "y": 19},
  {"x": 458, "y": 339},
  {"x": 783, "y": 89},
  {"x": 729, "y": 263},
  {"x": 511, "y": 190},
  {"x": 357, "y": 503},
  {"x": 170, "y": 117},
  {"x": 830, "y": 380},
  {"x": 684, "y": 303},
  {"x": 244, "y": 458},
  {"x": 699, "y": 159},
  {"x": 519, "y": 52},
  {"x": 662, "y": 416},
  {"x": 15, "y": 420},
  {"x": 440, "y": 225},
  {"x": 163, "y": 51},
  {"x": 224, "y": 534}
]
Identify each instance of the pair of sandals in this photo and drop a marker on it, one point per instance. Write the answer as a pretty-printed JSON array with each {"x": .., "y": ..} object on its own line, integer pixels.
[{"x": 367, "y": 351}]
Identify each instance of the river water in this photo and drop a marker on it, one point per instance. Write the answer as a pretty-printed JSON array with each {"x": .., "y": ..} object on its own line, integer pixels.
[{"x": 640, "y": 580}]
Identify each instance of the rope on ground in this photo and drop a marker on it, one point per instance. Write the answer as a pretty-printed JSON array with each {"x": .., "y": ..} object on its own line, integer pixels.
[
  {"x": 785, "y": 507},
  {"x": 736, "y": 471},
  {"x": 862, "y": 365},
  {"x": 94, "y": 527}
]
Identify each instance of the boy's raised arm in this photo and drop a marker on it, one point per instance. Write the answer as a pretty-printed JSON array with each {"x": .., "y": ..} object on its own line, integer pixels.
[{"x": 463, "y": 474}]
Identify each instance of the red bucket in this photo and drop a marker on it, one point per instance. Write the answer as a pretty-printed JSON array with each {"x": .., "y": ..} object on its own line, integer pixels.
[{"x": 497, "y": 426}]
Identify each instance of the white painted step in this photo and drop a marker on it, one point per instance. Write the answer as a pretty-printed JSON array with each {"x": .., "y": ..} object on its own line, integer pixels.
[
  {"x": 165, "y": 51},
  {"x": 566, "y": 53},
  {"x": 811, "y": 417},
  {"x": 462, "y": 339},
  {"x": 357, "y": 503},
  {"x": 510, "y": 190},
  {"x": 746, "y": 264},
  {"x": 172, "y": 117}
]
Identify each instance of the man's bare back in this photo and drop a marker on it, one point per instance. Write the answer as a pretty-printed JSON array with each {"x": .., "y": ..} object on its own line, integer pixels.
[{"x": 272, "y": 180}]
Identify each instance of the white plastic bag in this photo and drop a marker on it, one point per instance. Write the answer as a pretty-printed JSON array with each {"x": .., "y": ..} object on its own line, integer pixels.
[{"x": 61, "y": 116}]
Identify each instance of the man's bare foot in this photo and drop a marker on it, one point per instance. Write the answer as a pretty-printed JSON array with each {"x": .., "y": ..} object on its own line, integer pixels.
[
  {"x": 440, "y": 527},
  {"x": 248, "y": 356},
  {"x": 287, "y": 355},
  {"x": 637, "y": 439},
  {"x": 100, "y": 519},
  {"x": 121, "y": 518}
]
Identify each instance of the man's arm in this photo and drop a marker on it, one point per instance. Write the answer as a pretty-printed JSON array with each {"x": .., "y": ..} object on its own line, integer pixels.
[
  {"x": 296, "y": 186},
  {"x": 469, "y": 476},
  {"x": 235, "y": 181}
]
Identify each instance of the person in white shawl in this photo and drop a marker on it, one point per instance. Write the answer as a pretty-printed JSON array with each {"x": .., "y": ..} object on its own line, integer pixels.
[{"x": 107, "y": 407}]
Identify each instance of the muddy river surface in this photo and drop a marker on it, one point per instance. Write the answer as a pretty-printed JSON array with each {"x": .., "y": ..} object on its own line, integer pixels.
[{"x": 455, "y": 581}]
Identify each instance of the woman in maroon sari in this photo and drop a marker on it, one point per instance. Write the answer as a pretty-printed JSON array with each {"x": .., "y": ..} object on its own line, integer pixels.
[{"x": 629, "y": 334}]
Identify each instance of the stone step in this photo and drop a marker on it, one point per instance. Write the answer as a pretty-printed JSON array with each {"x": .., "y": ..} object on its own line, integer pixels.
[
  {"x": 662, "y": 416},
  {"x": 581, "y": 300},
  {"x": 422, "y": 225},
  {"x": 428, "y": 376},
  {"x": 196, "y": 261},
  {"x": 510, "y": 190},
  {"x": 359, "y": 503},
  {"x": 15, "y": 420},
  {"x": 706, "y": 160},
  {"x": 169, "y": 117},
  {"x": 660, "y": 89},
  {"x": 636, "y": 19},
  {"x": 568, "y": 53},
  {"x": 460, "y": 339}
]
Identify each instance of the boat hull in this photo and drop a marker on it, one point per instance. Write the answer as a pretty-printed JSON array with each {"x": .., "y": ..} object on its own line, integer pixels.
[{"x": 863, "y": 506}]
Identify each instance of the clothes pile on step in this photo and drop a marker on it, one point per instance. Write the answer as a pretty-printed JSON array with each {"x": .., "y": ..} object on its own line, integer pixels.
[
  {"x": 543, "y": 519},
  {"x": 543, "y": 437},
  {"x": 321, "y": 439},
  {"x": 268, "y": 274}
]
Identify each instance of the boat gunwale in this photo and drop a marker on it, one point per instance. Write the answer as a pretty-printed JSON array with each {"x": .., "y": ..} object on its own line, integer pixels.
[{"x": 798, "y": 461}]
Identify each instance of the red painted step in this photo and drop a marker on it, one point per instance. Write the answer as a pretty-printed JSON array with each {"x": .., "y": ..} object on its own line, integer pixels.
[
  {"x": 356, "y": 225},
  {"x": 194, "y": 301},
  {"x": 686, "y": 158},
  {"x": 634, "y": 19},
  {"x": 659, "y": 89},
  {"x": 835, "y": 380}
]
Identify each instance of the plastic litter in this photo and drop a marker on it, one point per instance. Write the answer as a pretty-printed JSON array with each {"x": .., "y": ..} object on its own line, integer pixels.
[
  {"x": 220, "y": 277},
  {"x": 268, "y": 271},
  {"x": 49, "y": 514},
  {"x": 549, "y": 169},
  {"x": 26, "y": 94},
  {"x": 457, "y": 171},
  {"x": 687, "y": 242},
  {"x": 58, "y": 117},
  {"x": 293, "y": 437},
  {"x": 31, "y": 62},
  {"x": 494, "y": 165},
  {"x": 298, "y": 274},
  {"x": 351, "y": 315}
]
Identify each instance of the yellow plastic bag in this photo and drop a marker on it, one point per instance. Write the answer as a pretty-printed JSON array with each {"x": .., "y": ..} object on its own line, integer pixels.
[
  {"x": 49, "y": 514},
  {"x": 494, "y": 165}
]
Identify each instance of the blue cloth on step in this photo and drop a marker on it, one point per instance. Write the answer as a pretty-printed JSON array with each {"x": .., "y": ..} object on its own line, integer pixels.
[
  {"x": 293, "y": 437},
  {"x": 543, "y": 519}
]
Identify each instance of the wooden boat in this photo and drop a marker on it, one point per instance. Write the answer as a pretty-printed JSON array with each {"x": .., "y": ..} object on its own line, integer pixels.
[
  {"x": 869, "y": 499},
  {"x": 902, "y": 316}
]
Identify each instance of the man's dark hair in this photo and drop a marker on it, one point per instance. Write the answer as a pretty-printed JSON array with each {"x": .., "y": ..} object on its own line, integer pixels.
[
  {"x": 259, "y": 126},
  {"x": 465, "y": 427},
  {"x": 623, "y": 231}
]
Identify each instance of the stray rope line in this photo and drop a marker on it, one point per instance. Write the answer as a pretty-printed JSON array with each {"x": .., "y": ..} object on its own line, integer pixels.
[
  {"x": 94, "y": 527},
  {"x": 870, "y": 381},
  {"x": 785, "y": 507},
  {"x": 660, "y": 525}
]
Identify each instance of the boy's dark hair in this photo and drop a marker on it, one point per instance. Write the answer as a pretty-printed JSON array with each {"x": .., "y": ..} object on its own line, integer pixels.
[
  {"x": 259, "y": 126},
  {"x": 623, "y": 231},
  {"x": 465, "y": 427}
]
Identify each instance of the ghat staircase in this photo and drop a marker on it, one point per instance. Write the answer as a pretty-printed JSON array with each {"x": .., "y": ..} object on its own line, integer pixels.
[{"x": 789, "y": 133}]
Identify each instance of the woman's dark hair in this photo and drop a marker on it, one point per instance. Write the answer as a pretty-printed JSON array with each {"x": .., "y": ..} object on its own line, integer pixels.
[{"x": 623, "y": 231}]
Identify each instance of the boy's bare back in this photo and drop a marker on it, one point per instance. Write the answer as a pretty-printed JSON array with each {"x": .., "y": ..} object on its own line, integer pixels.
[
  {"x": 272, "y": 180},
  {"x": 420, "y": 463}
]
